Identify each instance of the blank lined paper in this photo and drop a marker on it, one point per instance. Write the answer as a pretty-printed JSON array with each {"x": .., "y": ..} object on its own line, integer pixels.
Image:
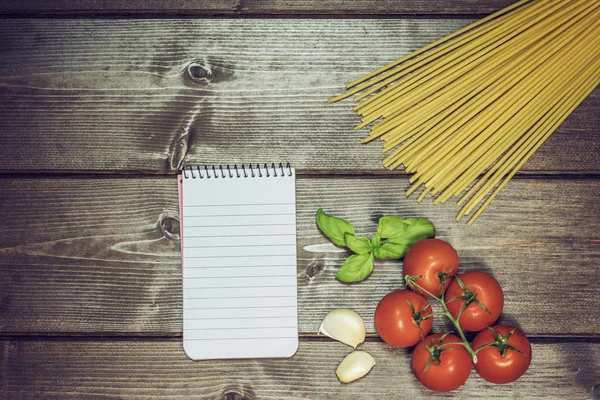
[{"x": 239, "y": 264}]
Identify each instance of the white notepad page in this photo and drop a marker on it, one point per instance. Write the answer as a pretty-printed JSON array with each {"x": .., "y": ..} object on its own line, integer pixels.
[{"x": 239, "y": 264}]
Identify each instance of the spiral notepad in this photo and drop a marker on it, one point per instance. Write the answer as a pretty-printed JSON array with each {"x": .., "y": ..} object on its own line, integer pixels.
[{"x": 239, "y": 261}]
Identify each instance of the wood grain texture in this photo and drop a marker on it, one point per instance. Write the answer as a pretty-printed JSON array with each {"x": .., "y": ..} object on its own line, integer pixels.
[
  {"x": 118, "y": 6},
  {"x": 159, "y": 370},
  {"x": 133, "y": 95},
  {"x": 386, "y": 7},
  {"x": 100, "y": 256},
  {"x": 244, "y": 7}
]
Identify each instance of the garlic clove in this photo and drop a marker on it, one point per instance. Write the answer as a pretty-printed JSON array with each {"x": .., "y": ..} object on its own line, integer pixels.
[
  {"x": 355, "y": 365},
  {"x": 345, "y": 326}
]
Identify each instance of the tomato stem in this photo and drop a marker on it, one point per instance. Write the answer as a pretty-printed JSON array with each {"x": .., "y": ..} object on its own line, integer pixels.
[
  {"x": 501, "y": 342},
  {"x": 447, "y": 313},
  {"x": 434, "y": 314},
  {"x": 410, "y": 281},
  {"x": 459, "y": 330},
  {"x": 484, "y": 346},
  {"x": 449, "y": 343}
]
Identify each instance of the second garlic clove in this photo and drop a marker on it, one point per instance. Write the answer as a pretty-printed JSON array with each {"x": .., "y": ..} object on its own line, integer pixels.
[
  {"x": 345, "y": 326},
  {"x": 355, "y": 365}
]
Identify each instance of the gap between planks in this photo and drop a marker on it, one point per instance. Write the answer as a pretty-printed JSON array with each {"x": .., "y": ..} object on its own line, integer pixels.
[
  {"x": 307, "y": 337},
  {"x": 302, "y": 173},
  {"x": 233, "y": 14}
]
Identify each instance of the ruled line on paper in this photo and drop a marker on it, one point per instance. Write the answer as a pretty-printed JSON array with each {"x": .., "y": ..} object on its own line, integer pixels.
[
  {"x": 243, "y": 245},
  {"x": 228, "y": 318},
  {"x": 244, "y": 281},
  {"x": 243, "y": 287},
  {"x": 239, "y": 215},
  {"x": 245, "y": 263},
  {"x": 256, "y": 323},
  {"x": 237, "y": 266},
  {"x": 225, "y": 231},
  {"x": 244, "y": 276},
  {"x": 235, "y": 314},
  {"x": 241, "y": 297},
  {"x": 247, "y": 272},
  {"x": 230, "y": 256},
  {"x": 243, "y": 327},
  {"x": 245, "y": 225},
  {"x": 211, "y": 221},
  {"x": 227, "y": 308},
  {"x": 234, "y": 236},
  {"x": 246, "y": 338},
  {"x": 240, "y": 205},
  {"x": 244, "y": 299}
]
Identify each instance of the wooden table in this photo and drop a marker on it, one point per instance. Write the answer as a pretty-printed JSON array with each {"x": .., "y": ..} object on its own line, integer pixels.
[{"x": 102, "y": 101}]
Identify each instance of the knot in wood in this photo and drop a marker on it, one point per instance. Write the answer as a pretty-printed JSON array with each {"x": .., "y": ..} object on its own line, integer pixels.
[
  {"x": 235, "y": 396},
  {"x": 596, "y": 392},
  {"x": 178, "y": 151},
  {"x": 315, "y": 267},
  {"x": 200, "y": 73},
  {"x": 237, "y": 392},
  {"x": 169, "y": 226}
]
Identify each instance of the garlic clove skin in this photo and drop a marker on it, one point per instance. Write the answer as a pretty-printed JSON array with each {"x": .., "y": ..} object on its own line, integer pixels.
[
  {"x": 355, "y": 365},
  {"x": 344, "y": 325}
]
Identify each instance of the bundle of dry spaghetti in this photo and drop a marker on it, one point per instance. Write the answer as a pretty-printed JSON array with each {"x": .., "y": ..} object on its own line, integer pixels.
[{"x": 464, "y": 113}]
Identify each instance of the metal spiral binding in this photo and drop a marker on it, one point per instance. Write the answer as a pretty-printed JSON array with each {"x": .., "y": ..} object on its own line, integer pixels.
[{"x": 235, "y": 171}]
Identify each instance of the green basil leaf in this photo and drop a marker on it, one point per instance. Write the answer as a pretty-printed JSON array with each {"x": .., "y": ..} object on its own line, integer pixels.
[
  {"x": 358, "y": 244},
  {"x": 391, "y": 226},
  {"x": 356, "y": 268},
  {"x": 378, "y": 252},
  {"x": 417, "y": 229},
  {"x": 390, "y": 249},
  {"x": 334, "y": 228},
  {"x": 376, "y": 240}
]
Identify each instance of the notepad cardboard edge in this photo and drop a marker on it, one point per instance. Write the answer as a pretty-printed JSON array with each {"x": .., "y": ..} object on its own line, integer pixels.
[
  {"x": 296, "y": 343},
  {"x": 293, "y": 351}
]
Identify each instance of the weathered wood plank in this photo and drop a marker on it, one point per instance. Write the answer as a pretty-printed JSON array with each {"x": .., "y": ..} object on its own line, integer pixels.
[
  {"x": 243, "y": 7},
  {"x": 118, "y": 94},
  {"x": 199, "y": 7},
  {"x": 88, "y": 255},
  {"x": 155, "y": 369},
  {"x": 385, "y": 7}
]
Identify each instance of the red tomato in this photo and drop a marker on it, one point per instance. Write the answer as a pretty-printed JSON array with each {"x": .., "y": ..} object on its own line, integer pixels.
[
  {"x": 449, "y": 371},
  {"x": 483, "y": 288},
  {"x": 397, "y": 323},
  {"x": 427, "y": 259},
  {"x": 501, "y": 363}
]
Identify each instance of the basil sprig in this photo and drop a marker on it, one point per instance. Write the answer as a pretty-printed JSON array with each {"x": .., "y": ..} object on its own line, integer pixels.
[{"x": 395, "y": 236}]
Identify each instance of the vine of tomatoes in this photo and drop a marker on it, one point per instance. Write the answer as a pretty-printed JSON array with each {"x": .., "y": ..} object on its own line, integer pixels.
[{"x": 472, "y": 301}]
